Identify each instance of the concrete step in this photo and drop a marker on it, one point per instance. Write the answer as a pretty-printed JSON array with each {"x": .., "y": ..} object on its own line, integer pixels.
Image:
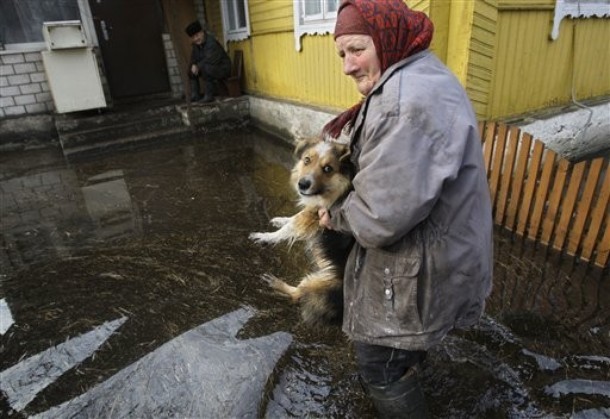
[
  {"x": 92, "y": 134},
  {"x": 81, "y": 134},
  {"x": 128, "y": 142},
  {"x": 68, "y": 123}
]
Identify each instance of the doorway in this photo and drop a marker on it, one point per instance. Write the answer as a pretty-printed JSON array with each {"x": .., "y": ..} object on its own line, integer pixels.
[{"x": 129, "y": 35}]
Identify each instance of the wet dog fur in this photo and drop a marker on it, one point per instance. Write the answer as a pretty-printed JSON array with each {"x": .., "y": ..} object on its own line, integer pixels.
[{"x": 321, "y": 176}]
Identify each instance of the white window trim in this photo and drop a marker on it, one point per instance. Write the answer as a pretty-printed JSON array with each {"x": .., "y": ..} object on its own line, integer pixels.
[
  {"x": 310, "y": 26},
  {"x": 86, "y": 20},
  {"x": 234, "y": 35},
  {"x": 578, "y": 8}
]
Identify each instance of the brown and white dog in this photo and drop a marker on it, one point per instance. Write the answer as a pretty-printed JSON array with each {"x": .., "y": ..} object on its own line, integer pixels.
[{"x": 321, "y": 176}]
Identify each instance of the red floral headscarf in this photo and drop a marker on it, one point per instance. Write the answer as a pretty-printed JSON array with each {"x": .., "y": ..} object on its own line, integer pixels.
[{"x": 397, "y": 31}]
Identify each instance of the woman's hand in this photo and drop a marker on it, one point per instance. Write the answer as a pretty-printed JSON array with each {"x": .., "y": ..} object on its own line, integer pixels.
[
  {"x": 324, "y": 219},
  {"x": 194, "y": 69}
]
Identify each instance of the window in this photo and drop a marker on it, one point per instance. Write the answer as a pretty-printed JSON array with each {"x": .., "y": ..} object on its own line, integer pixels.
[
  {"x": 235, "y": 20},
  {"x": 21, "y": 20},
  {"x": 313, "y": 17}
]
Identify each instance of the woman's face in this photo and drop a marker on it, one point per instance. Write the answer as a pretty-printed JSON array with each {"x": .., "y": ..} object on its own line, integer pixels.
[{"x": 360, "y": 60}]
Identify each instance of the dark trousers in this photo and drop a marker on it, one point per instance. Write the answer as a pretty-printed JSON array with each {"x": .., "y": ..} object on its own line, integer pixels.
[
  {"x": 211, "y": 75},
  {"x": 209, "y": 85},
  {"x": 382, "y": 365}
]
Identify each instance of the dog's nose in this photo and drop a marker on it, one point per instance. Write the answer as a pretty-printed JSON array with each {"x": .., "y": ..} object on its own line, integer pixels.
[{"x": 304, "y": 184}]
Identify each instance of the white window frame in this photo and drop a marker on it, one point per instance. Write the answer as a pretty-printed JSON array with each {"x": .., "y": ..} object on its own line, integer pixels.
[
  {"x": 240, "y": 33},
  {"x": 576, "y": 9},
  {"x": 318, "y": 24},
  {"x": 89, "y": 29}
]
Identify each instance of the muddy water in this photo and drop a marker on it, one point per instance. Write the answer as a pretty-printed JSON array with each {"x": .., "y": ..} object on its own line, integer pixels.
[{"x": 158, "y": 238}]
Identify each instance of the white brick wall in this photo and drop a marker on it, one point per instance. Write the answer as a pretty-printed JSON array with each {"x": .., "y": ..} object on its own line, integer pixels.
[
  {"x": 173, "y": 69},
  {"x": 24, "y": 88},
  {"x": 23, "y": 84}
]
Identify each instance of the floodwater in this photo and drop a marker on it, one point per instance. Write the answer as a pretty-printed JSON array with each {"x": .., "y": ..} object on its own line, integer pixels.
[{"x": 125, "y": 270}]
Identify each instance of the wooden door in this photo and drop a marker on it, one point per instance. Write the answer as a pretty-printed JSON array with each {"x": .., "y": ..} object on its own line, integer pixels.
[{"x": 129, "y": 34}]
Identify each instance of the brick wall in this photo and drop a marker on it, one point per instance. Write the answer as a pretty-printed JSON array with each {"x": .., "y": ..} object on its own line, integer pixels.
[
  {"x": 173, "y": 69},
  {"x": 23, "y": 84}
]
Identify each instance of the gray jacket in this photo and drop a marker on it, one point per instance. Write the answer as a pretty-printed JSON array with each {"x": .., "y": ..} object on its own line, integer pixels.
[{"x": 420, "y": 211}]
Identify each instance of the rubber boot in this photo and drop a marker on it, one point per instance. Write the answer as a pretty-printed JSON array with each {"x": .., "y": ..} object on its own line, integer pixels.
[
  {"x": 209, "y": 92},
  {"x": 401, "y": 399},
  {"x": 194, "y": 84}
]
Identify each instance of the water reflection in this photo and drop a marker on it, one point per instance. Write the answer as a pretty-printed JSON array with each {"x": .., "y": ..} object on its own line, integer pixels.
[
  {"x": 109, "y": 206},
  {"x": 159, "y": 237}
]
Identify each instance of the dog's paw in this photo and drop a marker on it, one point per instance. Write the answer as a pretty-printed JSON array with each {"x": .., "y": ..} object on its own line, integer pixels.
[
  {"x": 276, "y": 284},
  {"x": 266, "y": 238},
  {"x": 280, "y": 287},
  {"x": 279, "y": 221},
  {"x": 259, "y": 238},
  {"x": 270, "y": 280}
]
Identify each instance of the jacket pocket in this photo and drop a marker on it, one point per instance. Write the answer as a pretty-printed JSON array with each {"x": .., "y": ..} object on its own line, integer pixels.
[{"x": 392, "y": 289}]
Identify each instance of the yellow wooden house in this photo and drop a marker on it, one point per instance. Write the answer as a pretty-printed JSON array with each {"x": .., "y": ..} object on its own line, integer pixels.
[{"x": 504, "y": 52}]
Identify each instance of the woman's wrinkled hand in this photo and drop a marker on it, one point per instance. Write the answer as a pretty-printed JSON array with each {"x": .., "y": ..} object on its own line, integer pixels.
[{"x": 324, "y": 219}]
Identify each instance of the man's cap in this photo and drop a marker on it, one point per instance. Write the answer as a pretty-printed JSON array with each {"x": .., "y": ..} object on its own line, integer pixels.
[{"x": 193, "y": 28}]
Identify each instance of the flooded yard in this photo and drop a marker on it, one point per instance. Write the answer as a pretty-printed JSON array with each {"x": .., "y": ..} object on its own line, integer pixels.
[{"x": 129, "y": 288}]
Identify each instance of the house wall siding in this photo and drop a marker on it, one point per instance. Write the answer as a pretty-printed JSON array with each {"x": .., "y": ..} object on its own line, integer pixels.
[
  {"x": 273, "y": 67},
  {"x": 505, "y": 59},
  {"x": 213, "y": 16},
  {"x": 481, "y": 55},
  {"x": 531, "y": 72},
  {"x": 270, "y": 16}
]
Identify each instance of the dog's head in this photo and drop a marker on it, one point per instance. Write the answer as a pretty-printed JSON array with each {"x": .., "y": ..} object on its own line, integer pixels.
[{"x": 322, "y": 173}]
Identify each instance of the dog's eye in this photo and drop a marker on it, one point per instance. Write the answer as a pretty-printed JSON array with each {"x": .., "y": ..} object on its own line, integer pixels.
[
  {"x": 306, "y": 160},
  {"x": 327, "y": 169}
]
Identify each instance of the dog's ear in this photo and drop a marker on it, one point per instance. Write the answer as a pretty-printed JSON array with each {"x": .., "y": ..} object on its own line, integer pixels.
[
  {"x": 344, "y": 152},
  {"x": 302, "y": 144}
]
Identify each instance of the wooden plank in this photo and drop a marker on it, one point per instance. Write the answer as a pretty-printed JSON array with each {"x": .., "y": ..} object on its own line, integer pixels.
[
  {"x": 551, "y": 218},
  {"x": 488, "y": 145},
  {"x": 584, "y": 205},
  {"x": 530, "y": 187},
  {"x": 597, "y": 218},
  {"x": 542, "y": 193},
  {"x": 603, "y": 249},
  {"x": 519, "y": 180},
  {"x": 507, "y": 173},
  {"x": 498, "y": 158},
  {"x": 567, "y": 210}
]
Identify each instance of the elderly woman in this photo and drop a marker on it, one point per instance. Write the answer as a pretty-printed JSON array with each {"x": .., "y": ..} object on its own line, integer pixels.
[{"x": 419, "y": 210}]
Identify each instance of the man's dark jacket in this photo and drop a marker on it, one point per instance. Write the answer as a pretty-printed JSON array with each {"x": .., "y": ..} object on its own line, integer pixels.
[{"x": 211, "y": 58}]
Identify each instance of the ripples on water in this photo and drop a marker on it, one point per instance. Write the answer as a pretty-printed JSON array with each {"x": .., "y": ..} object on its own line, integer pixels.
[{"x": 159, "y": 237}]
